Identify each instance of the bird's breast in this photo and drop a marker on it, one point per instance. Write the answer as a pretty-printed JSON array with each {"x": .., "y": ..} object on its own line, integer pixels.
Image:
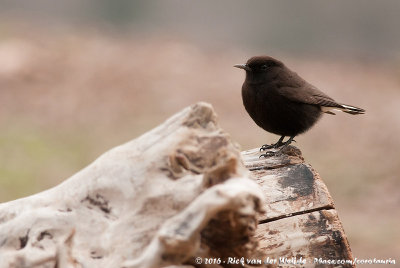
[
  {"x": 253, "y": 101},
  {"x": 275, "y": 113}
]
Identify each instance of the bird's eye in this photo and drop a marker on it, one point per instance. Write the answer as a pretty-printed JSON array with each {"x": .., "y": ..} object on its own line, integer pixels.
[{"x": 264, "y": 67}]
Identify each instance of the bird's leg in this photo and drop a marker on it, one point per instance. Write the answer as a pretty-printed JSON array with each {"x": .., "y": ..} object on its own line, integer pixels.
[
  {"x": 287, "y": 143},
  {"x": 273, "y": 146},
  {"x": 282, "y": 147}
]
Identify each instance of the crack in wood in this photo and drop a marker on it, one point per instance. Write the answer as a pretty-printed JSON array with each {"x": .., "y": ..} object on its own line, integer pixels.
[
  {"x": 329, "y": 207},
  {"x": 270, "y": 167}
]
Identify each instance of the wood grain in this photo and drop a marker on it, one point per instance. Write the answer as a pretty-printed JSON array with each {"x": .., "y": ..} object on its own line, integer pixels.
[{"x": 300, "y": 226}]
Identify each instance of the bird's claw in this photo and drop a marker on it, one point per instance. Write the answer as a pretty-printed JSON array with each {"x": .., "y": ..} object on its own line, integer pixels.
[
  {"x": 266, "y": 147},
  {"x": 279, "y": 145},
  {"x": 270, "y": 154},
  {"x": 270, "y": 146}
]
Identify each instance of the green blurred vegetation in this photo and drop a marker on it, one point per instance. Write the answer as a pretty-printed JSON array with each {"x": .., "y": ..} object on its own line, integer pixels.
[{"x": 29, "y": 154}]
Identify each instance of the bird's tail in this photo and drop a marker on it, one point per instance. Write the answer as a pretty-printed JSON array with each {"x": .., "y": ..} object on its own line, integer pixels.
[{"x": 350, "y": 109}]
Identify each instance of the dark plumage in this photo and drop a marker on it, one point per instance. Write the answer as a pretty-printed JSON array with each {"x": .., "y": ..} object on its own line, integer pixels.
[{"x": 283, "y": 103}]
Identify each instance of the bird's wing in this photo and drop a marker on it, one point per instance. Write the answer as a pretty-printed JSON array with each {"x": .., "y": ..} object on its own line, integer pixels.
[{"x": 307, "y": 93}]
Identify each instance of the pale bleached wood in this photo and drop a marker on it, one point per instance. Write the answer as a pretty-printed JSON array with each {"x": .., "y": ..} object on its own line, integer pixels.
[{"x": 155, "y": 201}]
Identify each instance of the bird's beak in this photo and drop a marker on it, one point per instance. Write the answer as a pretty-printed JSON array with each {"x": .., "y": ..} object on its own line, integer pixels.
[{"x": 242, "y": 66}]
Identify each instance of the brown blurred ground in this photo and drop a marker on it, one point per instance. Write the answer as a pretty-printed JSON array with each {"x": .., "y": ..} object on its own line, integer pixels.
[{"x": 65, "y": 99}]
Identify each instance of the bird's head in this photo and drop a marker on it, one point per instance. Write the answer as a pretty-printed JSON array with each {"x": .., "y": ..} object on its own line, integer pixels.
[{"x": 260, "y": 68}]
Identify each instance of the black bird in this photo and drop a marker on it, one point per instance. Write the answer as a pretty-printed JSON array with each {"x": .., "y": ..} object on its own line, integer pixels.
[{"x": 283, "y": 103}]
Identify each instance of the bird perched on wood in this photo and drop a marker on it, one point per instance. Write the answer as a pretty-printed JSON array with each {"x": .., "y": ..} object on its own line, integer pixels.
[{"x": 283, "y": 103}]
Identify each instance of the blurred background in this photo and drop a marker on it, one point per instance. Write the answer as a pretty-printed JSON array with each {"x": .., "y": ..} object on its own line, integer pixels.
[{"x": 79, "y": 77}]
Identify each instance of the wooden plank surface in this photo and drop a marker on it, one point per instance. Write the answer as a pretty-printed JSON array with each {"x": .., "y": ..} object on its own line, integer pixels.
[{"x": 300, "y": 223}]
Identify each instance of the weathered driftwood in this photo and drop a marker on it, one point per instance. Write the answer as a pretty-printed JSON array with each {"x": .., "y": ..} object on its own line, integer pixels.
[
  {"x": 178, "y": 192},
  {"x": 158, "y": 200}
]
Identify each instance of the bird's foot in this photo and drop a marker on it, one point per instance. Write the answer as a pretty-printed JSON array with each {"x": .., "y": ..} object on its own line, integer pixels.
[
  {"x": 275, "y": 145},
  {"x": 271, "y": 146},
  {"x": 268, "y": 147},
  {"x": 281, "y": 145}
]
